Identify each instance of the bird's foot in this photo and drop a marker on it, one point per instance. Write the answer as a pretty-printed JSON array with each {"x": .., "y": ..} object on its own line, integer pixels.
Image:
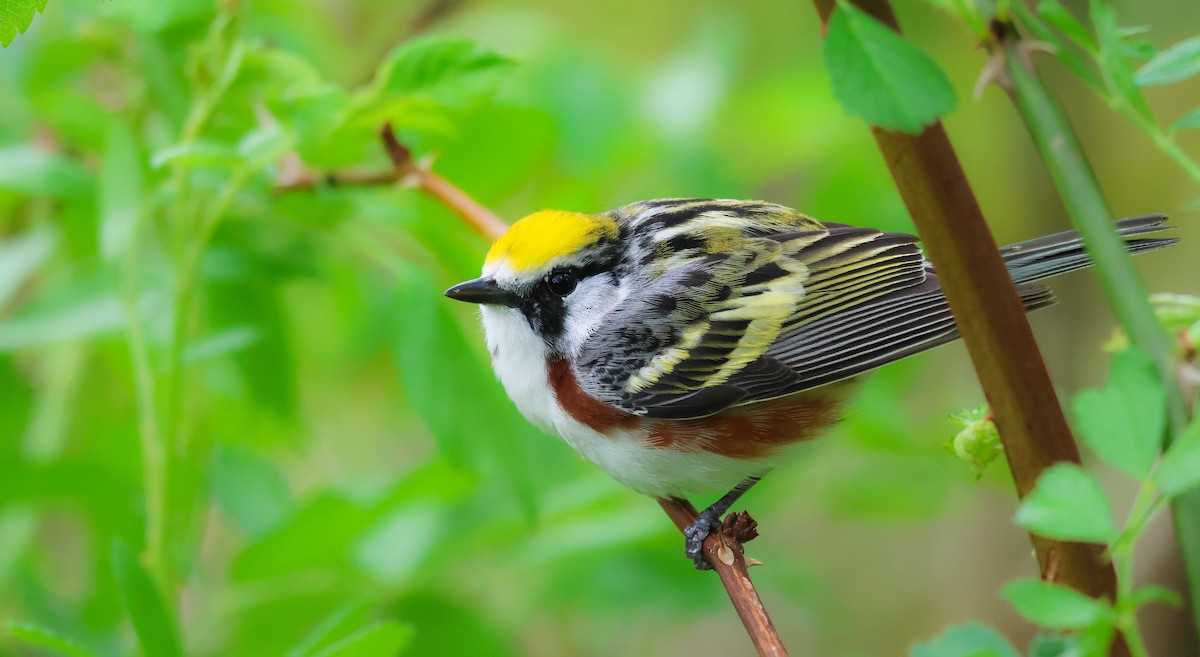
[
  {"x": 695, "y": 534},
  {"x": 737, "y": 529}
]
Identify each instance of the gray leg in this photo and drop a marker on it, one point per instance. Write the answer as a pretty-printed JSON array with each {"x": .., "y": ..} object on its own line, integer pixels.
[{"x": 710, "y": 518}]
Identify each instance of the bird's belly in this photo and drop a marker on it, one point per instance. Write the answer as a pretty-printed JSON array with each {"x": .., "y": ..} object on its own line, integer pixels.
[
  {"x": 631, "y": 457},
  {"x": 674, "y": 458}
]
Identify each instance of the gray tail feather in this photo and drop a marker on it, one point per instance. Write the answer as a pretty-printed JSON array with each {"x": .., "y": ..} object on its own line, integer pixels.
[{"x": 1056, "y": 254}]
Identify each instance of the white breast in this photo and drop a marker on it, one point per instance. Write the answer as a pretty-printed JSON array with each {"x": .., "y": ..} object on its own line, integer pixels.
[{"x": 519, "y": 358}]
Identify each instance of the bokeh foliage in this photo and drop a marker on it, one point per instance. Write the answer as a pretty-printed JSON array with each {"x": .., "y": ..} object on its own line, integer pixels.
[{"x": 344, "y": 475}]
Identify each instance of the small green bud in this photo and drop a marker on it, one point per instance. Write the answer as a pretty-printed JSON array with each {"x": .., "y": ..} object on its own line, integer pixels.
[{"x": 978, "y": 443}]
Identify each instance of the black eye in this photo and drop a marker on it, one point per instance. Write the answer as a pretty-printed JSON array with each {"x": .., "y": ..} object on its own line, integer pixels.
[{"x": 562, "y": 283}]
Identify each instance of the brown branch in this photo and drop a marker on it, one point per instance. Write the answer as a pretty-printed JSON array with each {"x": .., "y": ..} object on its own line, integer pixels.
[
  {"x": 405, "y": 171},
  {"x": 992, "y": 322},
  {"x": 468, "y": 209},
  {"x": 724, "y": 551}
]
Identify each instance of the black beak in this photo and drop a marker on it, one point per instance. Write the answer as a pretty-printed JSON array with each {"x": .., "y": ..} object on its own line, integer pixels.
[{"x": 482, "y": 290}]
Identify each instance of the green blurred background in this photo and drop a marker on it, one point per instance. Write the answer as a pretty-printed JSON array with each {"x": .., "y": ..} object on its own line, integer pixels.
[{"x": 349, "y": 448}]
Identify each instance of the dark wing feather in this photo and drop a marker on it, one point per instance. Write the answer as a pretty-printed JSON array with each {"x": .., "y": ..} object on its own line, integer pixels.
[
  {"x": 787, "y": 310},
  {"x": 744, "y": 302}
]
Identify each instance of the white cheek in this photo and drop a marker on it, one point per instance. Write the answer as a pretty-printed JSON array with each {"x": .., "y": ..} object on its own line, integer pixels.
[{"x": 587, "y": 308}]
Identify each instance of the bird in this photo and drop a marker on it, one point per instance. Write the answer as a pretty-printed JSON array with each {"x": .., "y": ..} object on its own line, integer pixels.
[{"x": 686, "y": 346}]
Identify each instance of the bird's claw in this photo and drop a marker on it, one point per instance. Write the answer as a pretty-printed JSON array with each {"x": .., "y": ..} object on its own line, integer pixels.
[{"x": 694, "y": 536}]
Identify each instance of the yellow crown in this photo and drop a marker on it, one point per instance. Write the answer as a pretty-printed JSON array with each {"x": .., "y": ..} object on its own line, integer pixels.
[{"x": 531, "y": 243}]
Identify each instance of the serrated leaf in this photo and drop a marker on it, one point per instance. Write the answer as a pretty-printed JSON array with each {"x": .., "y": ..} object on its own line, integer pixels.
[
  {"x": 879, "y": 76},
  {"x": 1189, "y": 120},
  {"x": 155, "y": 628},
  {"x": 425, "y": 64},
  {"x": 43, "y": 638},
  {"x": 1124, "y": 421},
  {"x": 1179, "y": 62},
  {"x": 969, "y": 640},
  {"x": 1067, "y": 504},
  {"x": 1055, "y": 606},
  {"x": 16, "y": 16},
  {"x": 119, "y": 191},
  {"x": 1061, "y": 18},
  {"x": 383, "y": 639},
  {"x": 1180, "y": 467}
]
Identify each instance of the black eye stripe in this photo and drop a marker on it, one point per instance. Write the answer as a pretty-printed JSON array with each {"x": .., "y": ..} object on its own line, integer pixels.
[{"x": 545, "y": 303}]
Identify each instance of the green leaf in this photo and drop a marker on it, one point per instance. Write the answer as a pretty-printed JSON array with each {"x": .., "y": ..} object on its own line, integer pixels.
[
  {"x": 263, "y": 146},
  {"x": 1153, "y": 593},
  {"x": 1067, "y": 504},
  {"x": 20, "y": 258},
  {"x": 154, "y": 626},
  {"x": 332, "y": 629},
  {"x": 1179, "y": 62},
  {"x": 34, "y": 172},
  {"x": 395, "y": 547},
  {"x": 1124, "y": 422},
  {"x": 1180, "y": 467},
  {"x": 74, "y": 318},
  {"x": 1055, "y": 606},
  {"x": 1189, "y": 120},
  {"x": 1113, "y": 65},
  {"x": 46, "y": 639},
  {"x": 274, "y": 74},
  {"x": 969, "y": 640},
  {"x": 152, "y": 16},
  {"x": 1062, "y": 19},
  {"x": 881, "y": 77},
  {"x": 319, "y": 120},
  {"x": 228, "y": 341},
  {"x": 250, "y": 490},
  {"x": 423, "y": 65},
  {"x": 383, "y": 639},
  {"x": 198, "y": 154},
  {"x": 1054, "y": 645},
  {"x": 119, "y": 191},
  {"x": 16, "y": 16}
]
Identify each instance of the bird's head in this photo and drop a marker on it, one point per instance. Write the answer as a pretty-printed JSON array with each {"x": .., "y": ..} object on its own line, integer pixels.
[{"x": 555, "y": 269}]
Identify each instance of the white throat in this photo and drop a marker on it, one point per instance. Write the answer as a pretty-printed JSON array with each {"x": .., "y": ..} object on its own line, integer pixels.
[{"x": 519, "y": 358}]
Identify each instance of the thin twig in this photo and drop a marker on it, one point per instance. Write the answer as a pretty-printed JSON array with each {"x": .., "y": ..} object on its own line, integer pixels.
[
  {"x": 724, "y": 551},
  {"x": 990, "y": 318},
  {"x": 405, "y": 171}
]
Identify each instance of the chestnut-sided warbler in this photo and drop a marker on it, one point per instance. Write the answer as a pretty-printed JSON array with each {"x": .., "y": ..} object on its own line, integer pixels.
[{"x": 683, "y": 344}]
